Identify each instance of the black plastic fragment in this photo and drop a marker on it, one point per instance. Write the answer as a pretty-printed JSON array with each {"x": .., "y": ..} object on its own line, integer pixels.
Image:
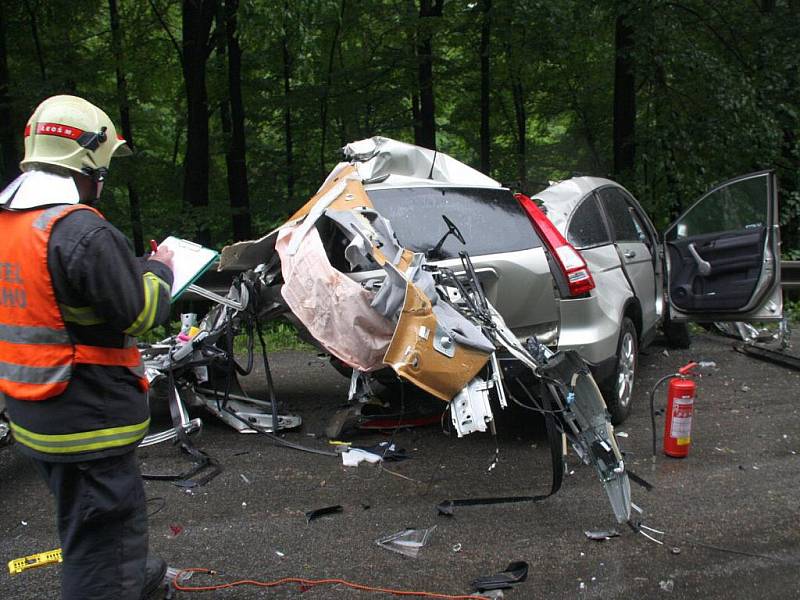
[
  {"x": 641, "y": 481},
  {"x": 515, "y": 572},
  {"x": 321, "y": 512}
]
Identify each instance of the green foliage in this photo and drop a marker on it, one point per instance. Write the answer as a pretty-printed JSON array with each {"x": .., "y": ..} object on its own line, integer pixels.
[
  {"x": 791, "y": 310},
  {"x": 717, "y": 94}
]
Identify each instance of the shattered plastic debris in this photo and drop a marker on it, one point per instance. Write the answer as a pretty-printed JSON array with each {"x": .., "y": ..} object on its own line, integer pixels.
[
  {"x": 321, "y": 512},
  {"x": 457, "y": 547},
  {"x": 407, "y": 541},
  {"x": 355, "y": 456},
  {"x": 515, "y": 572},
  {"x": 244, "y": 478},
  {"x": 666, "y": 586},
  {"x": 279, "y": 553},
  {"x": 601, "y": 534},
  {"x": 176, "y": 530},
  {"x": 372, "y": 454},
  {"x": 622, "y": 434}
]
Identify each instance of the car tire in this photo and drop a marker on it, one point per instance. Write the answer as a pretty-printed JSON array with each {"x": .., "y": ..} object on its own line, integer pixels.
[
  {"x": 676, "y": 334},
  {"x": 618, "y": 389}
]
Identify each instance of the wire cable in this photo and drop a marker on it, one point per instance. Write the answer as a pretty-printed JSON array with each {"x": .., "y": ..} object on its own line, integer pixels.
[{"x": 307, "y": 583}]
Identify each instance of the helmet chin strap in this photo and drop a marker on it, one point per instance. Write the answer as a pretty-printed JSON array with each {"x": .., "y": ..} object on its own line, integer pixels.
[{"x": 97, "y": 177}]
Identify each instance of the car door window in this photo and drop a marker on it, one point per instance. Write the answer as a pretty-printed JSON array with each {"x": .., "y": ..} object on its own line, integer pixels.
[
  {"x": 621, "y": 216},
  {"x": 742, "y": 205},
  {"x": 586, "y": 227}
]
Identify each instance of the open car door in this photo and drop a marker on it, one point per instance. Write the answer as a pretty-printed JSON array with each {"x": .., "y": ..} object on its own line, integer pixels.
[{"x": 723, "y": 254}]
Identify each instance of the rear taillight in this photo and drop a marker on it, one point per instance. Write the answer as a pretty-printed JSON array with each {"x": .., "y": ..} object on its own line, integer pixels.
[{"x": 579, "y": 278}]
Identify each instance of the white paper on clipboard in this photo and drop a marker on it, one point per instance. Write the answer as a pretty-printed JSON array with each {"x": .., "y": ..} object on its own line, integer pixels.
[{"x": 189, "y": 261}]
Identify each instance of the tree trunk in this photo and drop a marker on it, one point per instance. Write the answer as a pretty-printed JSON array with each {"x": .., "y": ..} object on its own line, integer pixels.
[
  {"x": 8, "y": 140},
  {"x": 125, "y": 115},
  {"x": 323, "y": 111},
  {"x": 236, "y": 158},
  {"x": 198, "y": 16},
  {"x": 231, "y": 112},
  {"x": 37, "y": 44},
  {"x": 521, "y": 119},
  {"x": 624, "y": 99},
  {"x": 486, "y": 30},
  {"x": 287, "y": 108},
  {"x": 425, "y": 133}
]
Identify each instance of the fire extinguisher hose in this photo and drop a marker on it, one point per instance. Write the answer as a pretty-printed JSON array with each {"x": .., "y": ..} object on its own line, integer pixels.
[{"x": 652, "y": 406}]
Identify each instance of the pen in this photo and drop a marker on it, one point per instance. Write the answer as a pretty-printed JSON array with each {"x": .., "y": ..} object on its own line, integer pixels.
[{"x": 153, "y": 246}]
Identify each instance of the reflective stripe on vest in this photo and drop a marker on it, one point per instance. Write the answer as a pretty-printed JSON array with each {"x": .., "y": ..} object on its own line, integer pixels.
[
  {"x": 36, "y": 353},
  {"x": 99, "y": 439}
]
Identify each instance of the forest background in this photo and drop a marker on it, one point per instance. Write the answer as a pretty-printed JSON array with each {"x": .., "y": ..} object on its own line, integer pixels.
[{"x": 237, "y": 109}]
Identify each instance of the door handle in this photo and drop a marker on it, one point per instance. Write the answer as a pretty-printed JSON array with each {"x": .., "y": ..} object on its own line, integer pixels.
[
  {"x": 629, "y": 254},
  {"x": 703, "y": 266}
]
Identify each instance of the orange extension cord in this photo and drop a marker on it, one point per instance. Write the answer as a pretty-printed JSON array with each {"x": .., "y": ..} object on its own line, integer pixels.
[{"x": 308, "y": 583}]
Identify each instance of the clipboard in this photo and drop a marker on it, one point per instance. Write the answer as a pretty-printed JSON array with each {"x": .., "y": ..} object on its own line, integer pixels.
[{"x": 189, "y": 262}]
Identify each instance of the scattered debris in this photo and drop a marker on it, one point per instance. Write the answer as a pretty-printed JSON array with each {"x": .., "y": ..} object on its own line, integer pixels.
[
  {"x": 675, "y": 550},
  {"x": 244, "y": 478},
  {"x": 666, "y": 586},
  {"x": 622, "y": 434},
  {"x": 321, "y": 512},
  {"x": 407, "y": 541},
  {"x": 745, "y": 388},
  {"x": 355, "y": 455},
  {"x": 279, "y": 553},
  {"x": 601, "y": 534},
  {"x": 457, "y": 547},
  {"x": 515, "y": 572}
]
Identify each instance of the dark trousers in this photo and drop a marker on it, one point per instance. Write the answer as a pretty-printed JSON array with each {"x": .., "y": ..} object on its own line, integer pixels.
[{"x": 102, "y": 522}]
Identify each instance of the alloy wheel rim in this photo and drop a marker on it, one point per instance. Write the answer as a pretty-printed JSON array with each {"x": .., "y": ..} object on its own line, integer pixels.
[{"x": 626, "y": 370}]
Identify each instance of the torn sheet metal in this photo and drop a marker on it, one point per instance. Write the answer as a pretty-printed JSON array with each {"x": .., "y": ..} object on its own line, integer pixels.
[
  {"x": 378, "y": 157},
  {"x": 412, "y": 354}
]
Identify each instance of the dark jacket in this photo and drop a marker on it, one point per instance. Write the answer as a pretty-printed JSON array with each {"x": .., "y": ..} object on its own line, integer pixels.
[{"x": 102, "y": 290}]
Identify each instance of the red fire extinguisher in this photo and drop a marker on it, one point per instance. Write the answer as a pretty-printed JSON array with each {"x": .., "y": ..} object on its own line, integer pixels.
[{"x": 680, "y": 408}]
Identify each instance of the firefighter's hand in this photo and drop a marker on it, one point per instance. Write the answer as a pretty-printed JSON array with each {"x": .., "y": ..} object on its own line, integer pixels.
[{"x": 163, "y": 255}]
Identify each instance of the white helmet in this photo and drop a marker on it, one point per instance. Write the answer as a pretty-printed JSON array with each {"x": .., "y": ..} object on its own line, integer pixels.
[{"x": 69, "y": 132}]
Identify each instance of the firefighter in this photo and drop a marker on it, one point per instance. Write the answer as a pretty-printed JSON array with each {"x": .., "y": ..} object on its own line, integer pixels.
[{"x": 73, "y": 298}]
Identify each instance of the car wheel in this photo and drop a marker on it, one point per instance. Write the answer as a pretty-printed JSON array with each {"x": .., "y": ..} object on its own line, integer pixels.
[{"x": 618, "y": 391}]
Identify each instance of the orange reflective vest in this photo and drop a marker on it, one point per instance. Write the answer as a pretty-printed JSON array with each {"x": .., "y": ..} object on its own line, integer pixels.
[{"x": 36, "y": 353}]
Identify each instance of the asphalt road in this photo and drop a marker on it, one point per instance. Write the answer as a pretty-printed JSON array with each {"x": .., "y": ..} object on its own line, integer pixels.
[{"x": 730, "y": 508}]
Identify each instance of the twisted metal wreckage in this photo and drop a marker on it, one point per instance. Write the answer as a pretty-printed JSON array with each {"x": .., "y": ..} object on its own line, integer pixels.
[{"x": 433, "y": 326}]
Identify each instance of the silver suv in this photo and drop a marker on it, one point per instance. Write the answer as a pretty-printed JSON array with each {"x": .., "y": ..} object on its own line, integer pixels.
[
  {"x": 718, "y": 262},
  {"x": 591, "y": 275}
]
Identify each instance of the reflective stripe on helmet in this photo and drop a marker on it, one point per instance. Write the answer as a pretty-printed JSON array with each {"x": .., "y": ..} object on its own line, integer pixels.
[
  {"x": 58, "y": 130},
  {"x": 98, "y": 439}
]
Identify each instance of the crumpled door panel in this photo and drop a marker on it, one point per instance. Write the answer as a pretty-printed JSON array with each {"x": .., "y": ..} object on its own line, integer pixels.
[{"x": 440, "y": 366}]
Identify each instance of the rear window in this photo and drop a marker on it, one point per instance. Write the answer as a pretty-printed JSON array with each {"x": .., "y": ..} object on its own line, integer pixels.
[
  {"x": 586, "y": 229},
  {"x": 490, "y": 220}
]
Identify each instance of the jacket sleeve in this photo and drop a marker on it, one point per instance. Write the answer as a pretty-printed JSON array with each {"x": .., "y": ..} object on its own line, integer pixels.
[{"x": 129, "y": 294}]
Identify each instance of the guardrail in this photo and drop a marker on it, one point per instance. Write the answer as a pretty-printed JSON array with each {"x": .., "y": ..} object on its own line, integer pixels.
[{"x": 790, "y": 275}]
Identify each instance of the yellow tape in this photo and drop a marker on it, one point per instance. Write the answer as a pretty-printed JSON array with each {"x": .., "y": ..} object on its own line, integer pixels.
[{"x": 18, "y": 565}]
